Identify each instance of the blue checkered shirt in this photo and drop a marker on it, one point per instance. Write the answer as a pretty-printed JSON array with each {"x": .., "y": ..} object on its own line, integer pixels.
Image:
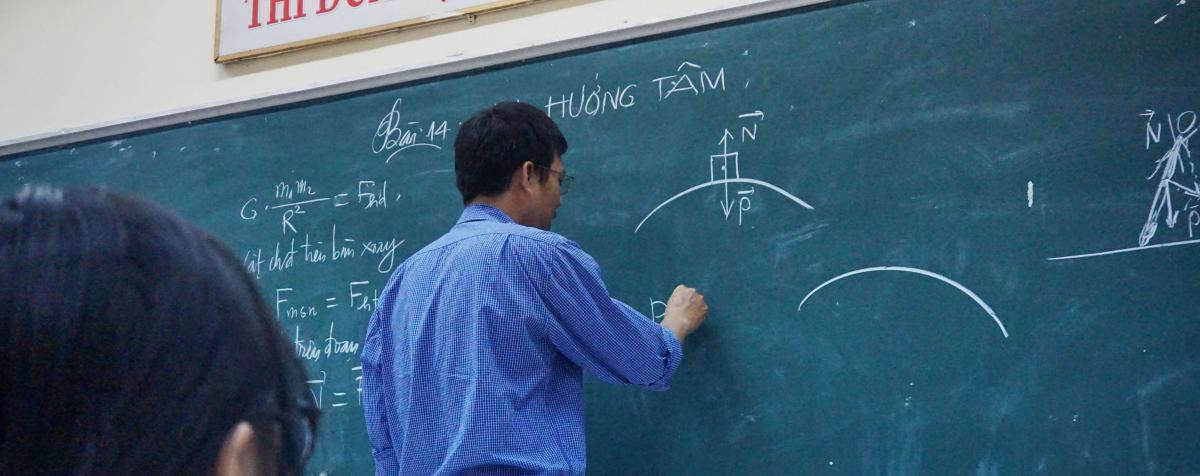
[{"x": 473, "y": 361}]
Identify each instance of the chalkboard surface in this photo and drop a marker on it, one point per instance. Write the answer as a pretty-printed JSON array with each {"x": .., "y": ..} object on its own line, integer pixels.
[{"x": 937, "y": 237}]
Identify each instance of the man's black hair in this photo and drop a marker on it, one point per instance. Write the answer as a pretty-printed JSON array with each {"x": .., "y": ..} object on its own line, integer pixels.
[
  {"x": 494, "y": 142},
  {"x": 134, "y": 342}
]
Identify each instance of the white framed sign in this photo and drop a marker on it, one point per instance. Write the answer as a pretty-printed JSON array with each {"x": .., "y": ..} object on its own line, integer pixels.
[{"x": 247, "y": 28}]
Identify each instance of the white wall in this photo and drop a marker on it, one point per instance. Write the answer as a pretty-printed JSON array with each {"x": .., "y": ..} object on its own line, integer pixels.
[{"x": 69, "y": 64}]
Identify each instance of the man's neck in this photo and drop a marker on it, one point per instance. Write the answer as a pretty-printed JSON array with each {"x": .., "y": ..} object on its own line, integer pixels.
[{"x": 506, "y": 203}]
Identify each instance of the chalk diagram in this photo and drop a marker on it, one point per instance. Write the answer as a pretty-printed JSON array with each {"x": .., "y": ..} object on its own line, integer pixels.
[
  {"x": 1177, "y": 159},
  {"x": 1174, "y": 198},
  {"x": 725, "y": 171},
  {"x": 922, "y": 272}
]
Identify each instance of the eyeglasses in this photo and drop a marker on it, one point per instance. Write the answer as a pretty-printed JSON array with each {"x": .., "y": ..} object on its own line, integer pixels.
[{"x": 564, "y": 180}]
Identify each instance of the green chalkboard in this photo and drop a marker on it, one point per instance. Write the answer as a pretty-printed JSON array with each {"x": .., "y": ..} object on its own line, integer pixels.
[{"x": 937, "y": 237}]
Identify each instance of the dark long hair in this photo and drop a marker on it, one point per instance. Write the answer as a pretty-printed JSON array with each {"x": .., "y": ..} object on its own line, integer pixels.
[{"x": 132, "y": 341}]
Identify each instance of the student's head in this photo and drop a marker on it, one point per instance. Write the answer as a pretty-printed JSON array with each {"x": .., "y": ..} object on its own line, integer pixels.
[
  {"x": 132, "y": 342},
  {"x": 506, "y": 145}
]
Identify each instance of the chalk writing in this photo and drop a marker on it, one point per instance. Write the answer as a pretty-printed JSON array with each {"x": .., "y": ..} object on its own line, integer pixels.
[
  {"x": 658, "y": 310},
  {"x": 596, "y": 97},
  {"x": 311, "y": 251},
  {"x": 394, "y": 135},
  {"x": 329, "y": 347},
  {"x": 335, "y": 346},
  {"x": 386, "y": 250},
  {"x": 359, "y": 300},
  {"x": 593, "y": 100},
  {"x": 371, "y": 194},
  {"x": 358, "y": 382},
  {"x": 283, "y": 310},
  {"x": 334, "y": 398},
  {"x": 690, "y": 78},
  {"x": 292, "y": 199},
  {"x": 319, "y": 393},
  {"x": 359, "y": 296},
  {"x": 306, "y": 349}
]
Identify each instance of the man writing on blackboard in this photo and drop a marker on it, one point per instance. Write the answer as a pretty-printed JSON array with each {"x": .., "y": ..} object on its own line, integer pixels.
[{"x": 473, "y": 359}]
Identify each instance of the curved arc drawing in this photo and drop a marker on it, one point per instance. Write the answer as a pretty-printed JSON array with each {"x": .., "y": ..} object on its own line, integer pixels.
[
  {"x": 921, "y": 272},
  {"x": 409, "y": 146},
  {"x": 722, "y": 182}
]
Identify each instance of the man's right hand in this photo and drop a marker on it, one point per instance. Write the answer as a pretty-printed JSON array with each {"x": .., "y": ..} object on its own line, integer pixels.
[{"x": 686, "y": 310}]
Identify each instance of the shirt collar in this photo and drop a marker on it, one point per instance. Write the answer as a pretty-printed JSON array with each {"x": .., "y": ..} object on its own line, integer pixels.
[{"x": 479, "y": 212}]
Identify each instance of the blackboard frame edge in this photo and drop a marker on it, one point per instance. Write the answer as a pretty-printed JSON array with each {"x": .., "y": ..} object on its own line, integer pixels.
[{"x": 38, "y": 143}]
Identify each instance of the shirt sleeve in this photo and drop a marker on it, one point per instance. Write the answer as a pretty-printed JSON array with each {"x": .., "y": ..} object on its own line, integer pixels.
[
  {"x": 374, "y": 401},
  {"x": 600, "y": 334}
]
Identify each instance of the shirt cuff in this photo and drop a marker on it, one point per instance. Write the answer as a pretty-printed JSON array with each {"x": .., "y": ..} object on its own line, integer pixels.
[{"x": 671, "y": 361}]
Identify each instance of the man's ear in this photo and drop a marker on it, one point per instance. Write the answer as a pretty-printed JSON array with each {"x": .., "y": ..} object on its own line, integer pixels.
[
  {"x": 526, "y": 175},
  {"x": 239, "y": 455}
]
